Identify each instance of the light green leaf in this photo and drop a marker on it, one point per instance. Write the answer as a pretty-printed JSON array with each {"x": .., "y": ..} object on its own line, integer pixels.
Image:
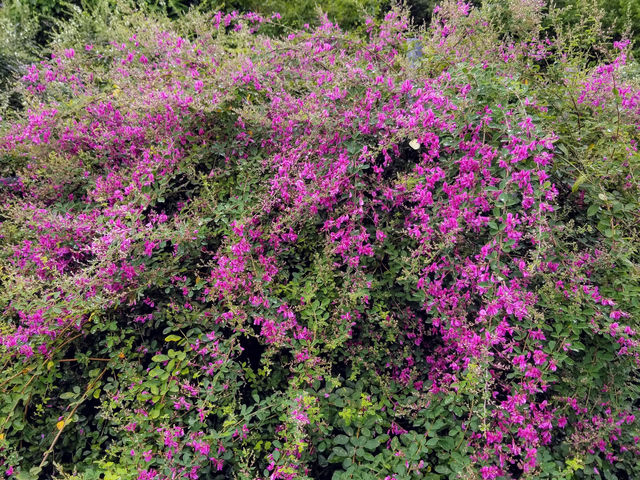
[{"x": 579, "y": 181}]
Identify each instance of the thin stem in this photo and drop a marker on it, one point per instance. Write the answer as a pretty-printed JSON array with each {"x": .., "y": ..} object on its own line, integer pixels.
[{"x": 64, "y": 423}]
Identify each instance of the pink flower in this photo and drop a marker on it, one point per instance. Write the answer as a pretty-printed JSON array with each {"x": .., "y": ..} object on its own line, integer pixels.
[{"x": 148, "y": 247}]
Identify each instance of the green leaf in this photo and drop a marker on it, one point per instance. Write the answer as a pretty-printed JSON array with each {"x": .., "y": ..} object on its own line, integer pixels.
[
  {"x": 592, "y": 210},
  {"x": 340, "y": 452},
  {"x": 156, "y": 372},
  {"x": 26, "y": 476},
  {"x": 563, "y": 149},
  {"x": 579, "y": 181},
  {"x": 372, "y": 444}
]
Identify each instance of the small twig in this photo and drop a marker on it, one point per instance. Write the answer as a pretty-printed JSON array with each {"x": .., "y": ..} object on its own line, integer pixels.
[
  {"x": 24, "y": 370},
  {"x": 64, "y": 423},
  {"x": 96, "y": 359}
]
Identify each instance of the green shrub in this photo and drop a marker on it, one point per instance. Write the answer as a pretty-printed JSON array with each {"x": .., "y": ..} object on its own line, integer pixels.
[{"x": 226, "y": 254}]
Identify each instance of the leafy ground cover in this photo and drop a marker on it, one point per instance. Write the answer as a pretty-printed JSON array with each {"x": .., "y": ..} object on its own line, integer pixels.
[{"x": 226, "y": 254}]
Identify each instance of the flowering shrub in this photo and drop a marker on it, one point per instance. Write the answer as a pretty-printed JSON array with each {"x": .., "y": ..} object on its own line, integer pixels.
[{"x": 226, "y": 255}]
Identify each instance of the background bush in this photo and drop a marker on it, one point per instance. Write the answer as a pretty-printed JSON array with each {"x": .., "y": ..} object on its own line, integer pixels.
[{"x": 236, "y": 249}]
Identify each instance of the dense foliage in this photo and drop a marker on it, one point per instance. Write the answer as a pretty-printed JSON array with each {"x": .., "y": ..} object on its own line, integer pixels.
[{"x": 411, "y": 255}]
